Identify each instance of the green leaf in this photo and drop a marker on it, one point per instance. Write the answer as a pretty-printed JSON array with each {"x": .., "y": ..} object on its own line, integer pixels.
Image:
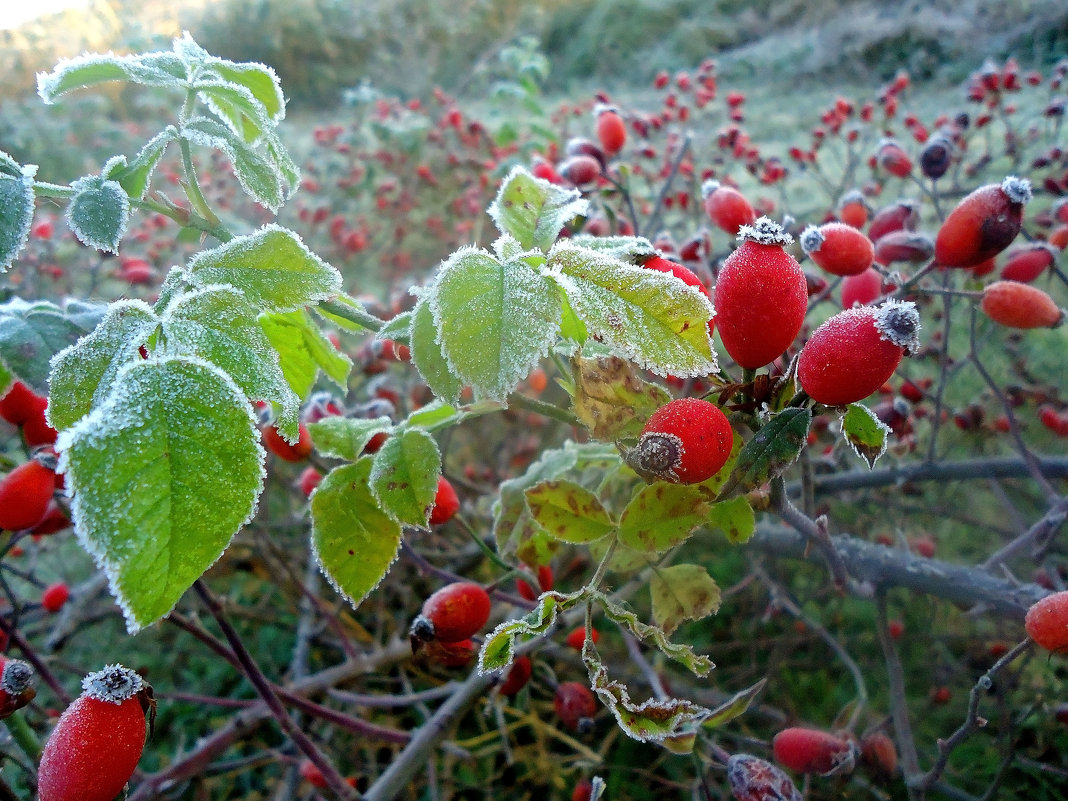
[
  {"x": 272, "y": 266},
  {"x": 218, "y": 324},
  {"x": 494, "y": 320},
  {"x": 682, "y": 592},
  {"x": 151, "y": 69},
  {"x": 261, "y": 81},
  {"x": 5, "y": 380},
  {"x": 303, "y": 350},
  {"x": 346, "y": 437},
  {"x": 427, "y": 356},
  {"x": 259, "y": 175},
  {"x": 660, "y": 516},
  {"x": 353, "y": 540},
  {"x": 534, "y": 210},
  {"x": 83, "y": 374},
  {"x": 344, "y": 323},
  {"x": 237, "y": 108},
  {"x": 31, "y": 333},
  {"x": 611, "y": 399},
  {"x": 435, "y": 415},
  {"x": 99, "y": 212},
  {"x": 568, "y": 512},
  {"x": 398, "y": 328},
  {"x": 678, "y": 652},
  {"x": 649, "y": 317},
  {"x": 16, "y": 215},
  {"x": 629, "y": 249},
  {"x": 163, "y": 474},
  {"x": 734, "y": 518},
  {"x": 734, "y": 707},
  {"x": 772, "y": 449},
  {"x": 404, "y": 476},
  {"x": 865, "y": 433},
  {"x": 498, "y": 649},
  {"x": 136, "y": 177}
]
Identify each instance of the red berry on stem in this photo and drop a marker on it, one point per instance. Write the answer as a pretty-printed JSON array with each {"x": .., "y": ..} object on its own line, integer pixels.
[
  {"x": 16, "y": 685},
  {"x": 761, "y": 296},
  {"x": 1017, "y": 305},
  {"x": 98, "y": 740},
  {"x": 577, "y": 637},
  {"x": 838, "y": 248},
  {"x": 25, "y": 493},
  {"x": 726, "y": 207},
  {"x": 574, "y": 703},
  {"x": 453, "y": 613},
  {"x": 20, "y": 404},
  {"x": 1028, "y": 263},
  {"x": 276, "y": 444},
  {"x": 446, "y": 503},
  {"x": 893, "y": 159},
  {"x": 854, "y": 353},
  {"x": 55, "y": 596},
  {"x": 878, "y": 751},
  {"x": 611, "y": 132},
  {"x": 902, "y": 215},
  {"x": 983, "y": 224},
  {"x": 753, "y": 779},
  {"x": 860, "y": 290},
  {"x": 516, "y": 677},
  {"x": 1047, "y": 622},
  {"x": 813, "y": 751},
  {"x": 685, "y": 441}
]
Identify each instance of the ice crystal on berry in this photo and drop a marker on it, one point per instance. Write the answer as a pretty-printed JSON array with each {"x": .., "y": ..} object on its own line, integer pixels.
[
  {"x": 113, "y": 683},
  {"x": 1017, "y": 189},
  {"x": 709, "y": 186},
  {"x": 811, "y": 239},
  {"x": 765, "y": 231},
  {"x": 899, "y": 322},
  {"x": 659, "y": 453}
]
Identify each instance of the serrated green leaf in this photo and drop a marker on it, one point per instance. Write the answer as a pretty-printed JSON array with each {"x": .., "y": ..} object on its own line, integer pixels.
[
  {"x": 218, "y": 324},
  {"x": 571, "y": 326},
  {"x": 346, "y": 437},
  {"x": 866, "y": 434},
  {"x": 272, "y": 266},
  {"x": 682, "y": 592},
  {"x": 683, "y": 654},
  {"x": 734, "y": 707},
  {"x": 344, "y": 323},
  {"x": 568, "y": 512},
  {"x": 734, "y": 518},
  {"x": 261, "y": 81},
  {"x": 649, "y": 317},
  {"x": 404, "y": 476},
  {"x": 91, "y": 69},
  {"x": 495, "y": 320},
  {"x": 354, "y": 541},
  {"x": 237, "y": 108},
  {"x": 31, "y": 333},
  {"x": 83, "y": 374},
  {"x": 660, "y": 516},
  {"x": 498, "y": 649},
  {"x": 623, "y": 560},
  {"x": 303, "y": 350},
  {"x": 99, "y": 212},
  {"x": 427, "y": 356},
  {"x": 533, "y": 210},
  {"x": 611, "y": 399},
  {"x": 772, "y": 449},
  {"x": 629, "y": 249},
  {"x": 136, "y": 177},
  {"x": 259, "y": 175},
  {"x": 16, "y": 216},
  {"x": 174, "y": 441},
  {"x": 436, "y": 414},
  {"x": 398, "y": 328}
]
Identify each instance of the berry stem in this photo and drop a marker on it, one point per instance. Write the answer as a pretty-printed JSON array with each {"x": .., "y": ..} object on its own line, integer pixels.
[
  {"x": 602, "y": 568},
  {"x": 354, "y": 313},
  {"x": 549, "y": 410},
  {"x": 25, "y": 736},
  {"x": 665, "y": 187}
]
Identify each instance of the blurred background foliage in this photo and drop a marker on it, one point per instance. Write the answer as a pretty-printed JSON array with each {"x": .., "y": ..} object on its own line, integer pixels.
[{"x": 322, "y": 47}]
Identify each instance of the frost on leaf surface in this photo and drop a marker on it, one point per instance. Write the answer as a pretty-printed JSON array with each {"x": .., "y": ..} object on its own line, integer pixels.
[
  {"x": 404, "y": 476},
  {"x": 218, "y": 324},
  {"x": 264, "y": 176},
  {"x": 83, "y": 373},
  {"x": 99, "y": 212},
  {"x": 162, "y": 475},
  {"x": 649, "y": 317},
  {"x": 495, "y": 320},
  {"x": 534, "y": 210},
  {"x": 353, "y": 540},
  {"x": 427, "y": 356},
  {"x": 16, "y": 208},
  {"x": 272, "y": 266},
  {"x": 303, "y": 350},
  {"x": 30, "y": 333}
]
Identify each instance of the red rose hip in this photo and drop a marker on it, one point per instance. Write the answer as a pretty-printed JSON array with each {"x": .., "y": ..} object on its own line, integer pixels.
[
  {"x": 1047, "y": 622},
  {"x": 838, "y": 248},
  {"x": 813, "y": 751},
  {"x": 452, "y": 614},
  {"x": 685, "y": 441},
  {"x": 983, "y": 224}
]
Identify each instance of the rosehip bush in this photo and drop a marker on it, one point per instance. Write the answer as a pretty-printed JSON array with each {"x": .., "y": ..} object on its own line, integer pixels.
[{"x": 720, "y": 450}]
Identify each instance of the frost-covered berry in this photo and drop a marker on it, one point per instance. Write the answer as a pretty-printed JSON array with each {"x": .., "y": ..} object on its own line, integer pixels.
[
  {"x": 685, "y": 441},
  {"x": 446, "y": 503},
  {"x": 98, "y": 740},
  {"x": 983, "y": 224},
  {"x": 761, "y": 296},
  {"x": 1019, "y": 305},
  {"x": 1047, "y": 622},
  {"x": 754, "y": 779},
  {"x": 854, "y": 353},
  {"x": 574, "y": 704},
  {"x": 453, "y": 613},
  {"x": 726, "y": 207},
  {"x": 838, "y": 248},
  {"x": 16, "y": 685}
]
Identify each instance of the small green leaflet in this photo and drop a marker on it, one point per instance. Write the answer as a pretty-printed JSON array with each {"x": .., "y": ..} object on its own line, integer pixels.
[
  {"x": 261, "y": 176},
  {"x": 404, "y": 476},
  {"x": 735, "y": 706},
  {"x": 683, "y": 654},
  {"x": 682, "y": 592},
  {"x": 495, "y": 320},
  {"x": 16, "y": 208},
  {"x": 353, "y": 540},
  {"x": 303, "y": 350},
  {"x": 136, "y": 176},
  {"x": 174, "y": 439},
  {"x": 83, "y": 373},
  {"x": 569, "y": 512},
  {"x": 272, "y": 266},
  {"x": 866, "y": 434},
  {"x": 772, "y": 449},
  {"x": 733, "y": 517},
  {"x": 631, "y": 249},
  {"x": 346, "y": 437},
  {"x": 498, "y": 650},
  {"x": 649, "y": 317},
  {"x": 99, "y": 212},
  {"x": 660, "y": 516},
  {"x": 533, "y": 210}
]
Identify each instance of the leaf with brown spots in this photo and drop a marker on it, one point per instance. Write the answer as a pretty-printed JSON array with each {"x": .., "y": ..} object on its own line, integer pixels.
[
  {"x": 682, "y": 592},
  {"x": 404, "y": 476},
  {"x": 660, "y": 516},
  {"x": 611, "y": 399},
  {"x": 569, "y": 512}
]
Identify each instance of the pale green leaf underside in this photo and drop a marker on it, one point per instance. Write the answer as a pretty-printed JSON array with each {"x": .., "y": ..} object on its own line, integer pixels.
[
  {"x": 866, "y": 434},
  {"x": 345, "y": 437},
  {"x": 99, "y": 213},
  {"x": 354, "y": 541},
  {"x": 427, "y": 356},
  {"x": 163, "y": 474}
]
